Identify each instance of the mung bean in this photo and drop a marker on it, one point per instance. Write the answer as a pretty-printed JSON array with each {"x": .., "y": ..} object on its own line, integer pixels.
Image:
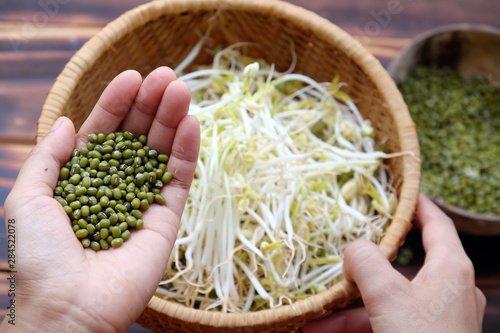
[{"x": 106, "y": 185}]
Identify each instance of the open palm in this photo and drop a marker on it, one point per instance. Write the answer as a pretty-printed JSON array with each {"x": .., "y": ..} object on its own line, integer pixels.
[{"x": 62, "y": 286}]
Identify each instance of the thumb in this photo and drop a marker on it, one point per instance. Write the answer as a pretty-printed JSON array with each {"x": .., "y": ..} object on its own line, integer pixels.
[
  {"x": 377, "y": 280},
  {"x": 40, "y": 171}
]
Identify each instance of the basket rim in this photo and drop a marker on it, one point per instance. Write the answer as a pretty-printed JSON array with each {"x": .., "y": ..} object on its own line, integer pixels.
[{"x": 314, "y": 306}]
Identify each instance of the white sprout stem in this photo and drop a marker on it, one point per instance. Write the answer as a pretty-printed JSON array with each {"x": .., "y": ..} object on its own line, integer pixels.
[
  {"x": 255, "y": 282},
  {"x": 272, "y": 208},
  {"x": 334, "y": 165}
]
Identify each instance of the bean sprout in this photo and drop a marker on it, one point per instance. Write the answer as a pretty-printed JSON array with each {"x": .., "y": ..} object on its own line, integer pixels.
[{"x": 288, "y": 175}]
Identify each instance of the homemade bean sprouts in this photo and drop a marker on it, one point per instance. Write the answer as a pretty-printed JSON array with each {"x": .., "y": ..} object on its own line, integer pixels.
[{"x": 288, "y": 175}]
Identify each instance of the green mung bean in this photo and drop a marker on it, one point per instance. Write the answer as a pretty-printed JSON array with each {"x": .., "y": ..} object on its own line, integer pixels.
[
  {"x": 58, "y": 190},
  {"x": 96, "y": 182},
  {"x": 62, "y": 201},
  {"x": 106, "y": 185},
  {"x": 128, "y": 135},
  {"x": 81, "y": 233},
  {"x": 104, "y": 244},
  {"x": 85, "y": 242},
  {"x": 102, "y": 216},
  {"x": 95, "y": 209},
  {"x": 75, "y": 205},
  {"x": 115, "y": 232},
  {"x": 117, "y": 242},
  {"x": 92, "y": 137},
  {"x": 144, "y": 204},
  {"x": 101, "y": 137},
  {"x": 64, "y": 173},
  {"x": 80, "y": 191},
  {"x": 104, "y": 201},
  {"x": 113, "y": 219},
  {"x": 136, "y": 203},
  {"x": 139, "y": 224},
  {"x": 92, "y": 190},
  {"x": 104, "y": 233},
  {"x": 101, "y": 175},
  {"x": 95, "y": 246},
  {"x": 121, "y": 217},
  {"x": 141, "y": 153},
  {"x": 125, "y": 235},
  {"x": 123, "y": 226},
  {"x": 107, "y": 180},
  {"x": 107, "y": 150},
  {"x": 85, "y": 210},
  {"x": 150, "y": 196},
  {"x": 167, "y": 177},
  {"x": 131, "y": 221},
  {"x": 68, "y": 210},
  {"x": 75, "y": 179},
  {"x": 93, "y": 219},
  {"x": 92, "y": 201},
  {"x": 86, "y": 182},
  {"x": 136, "y": 213},
  {"x": 130, "y": 196},
  {"x": 105, "y": 223},
  {"x": 90, "y": 228},
  {"x": 162, "y": 158},
  {"x": 82, "y": 223},
  {"x": 76, "y": 213},
  {"x": 84, "y": 162},
  {"x": 159, "y": 199}
]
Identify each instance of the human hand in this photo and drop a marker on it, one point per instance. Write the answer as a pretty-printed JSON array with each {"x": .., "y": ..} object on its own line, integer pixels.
[
  {"x": 441, "y": 298},
  {"x": 60, "y": 286}
]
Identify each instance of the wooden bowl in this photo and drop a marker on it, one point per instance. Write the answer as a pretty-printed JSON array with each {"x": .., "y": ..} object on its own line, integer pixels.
[
  {"x": 163, "y": 33},
  {"x": 472, "y": 51}
]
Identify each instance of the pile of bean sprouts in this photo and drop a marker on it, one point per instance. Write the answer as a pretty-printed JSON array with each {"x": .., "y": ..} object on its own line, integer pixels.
[{"x": 288, "y": 175}]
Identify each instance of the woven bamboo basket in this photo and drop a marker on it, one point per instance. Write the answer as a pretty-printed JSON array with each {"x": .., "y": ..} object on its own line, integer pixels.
[{"x": 163, "y": 33}]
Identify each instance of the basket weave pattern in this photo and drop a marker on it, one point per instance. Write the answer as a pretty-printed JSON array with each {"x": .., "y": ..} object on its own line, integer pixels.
[{"x": 164, "y": 32}]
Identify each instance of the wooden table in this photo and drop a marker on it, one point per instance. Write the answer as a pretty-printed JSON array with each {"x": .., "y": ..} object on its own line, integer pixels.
[{"x": 37, "y": 38}]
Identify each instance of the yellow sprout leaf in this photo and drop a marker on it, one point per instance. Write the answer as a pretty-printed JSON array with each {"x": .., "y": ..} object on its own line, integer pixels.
[
  {"x": 331, "y": 259},
  {"x": 342, "y": 96}
]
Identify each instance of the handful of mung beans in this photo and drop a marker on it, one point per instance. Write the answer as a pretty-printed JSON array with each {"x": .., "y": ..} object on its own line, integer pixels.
[{"x": 106, "y": 185}]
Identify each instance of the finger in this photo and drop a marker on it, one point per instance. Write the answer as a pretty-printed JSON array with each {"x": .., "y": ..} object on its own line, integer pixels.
[
  {"x": 173, "y": 108},
  {"x": 353, "y": 320},
  {"x": 481, "y": 305},
  {"x": 161, "y": 224},
  {"x": 143, "y": 111},
  {"x": 40, "y": 171},
  {"x": 439, "y": 235},
  {"x": 112, "y": 106},
  {"x": 182, "y": 164},
  {"x": 377, "y": 280}
]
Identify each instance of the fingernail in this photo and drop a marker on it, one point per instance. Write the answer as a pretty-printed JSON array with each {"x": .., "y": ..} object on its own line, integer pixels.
[{"x": 56, "y": 124}]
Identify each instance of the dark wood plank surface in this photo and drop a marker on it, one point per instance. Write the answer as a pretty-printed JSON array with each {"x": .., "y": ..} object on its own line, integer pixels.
[{"x": 37, "y": 38}]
